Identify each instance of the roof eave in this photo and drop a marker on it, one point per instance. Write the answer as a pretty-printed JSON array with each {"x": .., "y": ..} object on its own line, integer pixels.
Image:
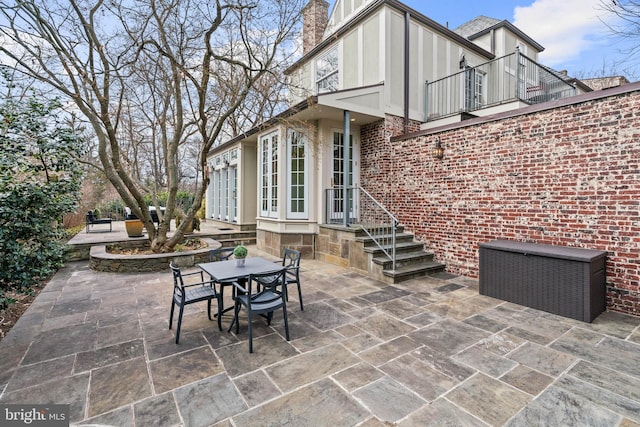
[
  {"x": 513, "y": 29},
  {"x": 303, "y": 105}
]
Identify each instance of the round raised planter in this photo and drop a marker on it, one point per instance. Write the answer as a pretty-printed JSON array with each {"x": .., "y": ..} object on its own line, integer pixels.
[{"x": 101, "y": 260}]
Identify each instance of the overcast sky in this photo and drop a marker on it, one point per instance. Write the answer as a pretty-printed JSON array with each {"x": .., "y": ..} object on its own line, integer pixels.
[{"x": 571, "y": 31}]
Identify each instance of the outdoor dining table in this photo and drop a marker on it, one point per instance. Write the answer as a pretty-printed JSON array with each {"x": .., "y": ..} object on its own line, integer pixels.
[{"x": 229, "y": 271}]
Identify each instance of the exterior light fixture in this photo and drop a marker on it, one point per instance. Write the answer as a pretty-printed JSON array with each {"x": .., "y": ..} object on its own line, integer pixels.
[
  {"x": 463, "y": 63},
  {"x": 438, "y": 151}
]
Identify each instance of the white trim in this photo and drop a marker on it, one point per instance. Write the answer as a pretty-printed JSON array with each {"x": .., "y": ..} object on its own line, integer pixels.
[
  {"x": 305, "y": 184},
  {"x": 267, "y": 177}
]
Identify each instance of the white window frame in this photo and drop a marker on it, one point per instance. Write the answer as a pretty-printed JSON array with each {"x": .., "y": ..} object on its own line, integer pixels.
[
  {"x": 300, "y": 138},
  {"x": 327, "y": 72},
  {"x": 268, "y": 177},
  {"x": 479, "y": 89}
]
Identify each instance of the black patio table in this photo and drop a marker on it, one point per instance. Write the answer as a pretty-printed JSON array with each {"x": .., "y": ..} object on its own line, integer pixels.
[{"x": 228, "y": 271}]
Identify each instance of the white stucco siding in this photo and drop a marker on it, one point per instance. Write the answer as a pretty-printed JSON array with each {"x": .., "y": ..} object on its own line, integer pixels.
[
  {"x": 415, "y": 71},
  {"x": 484, "y": 41},
  {"x": 351, "y": 61},
  {"x": 372, "y": 63},
  {"x": 301, "y": 83},
  {"x": 395, "y": 61},
  {"x": 428, "y": 72}
]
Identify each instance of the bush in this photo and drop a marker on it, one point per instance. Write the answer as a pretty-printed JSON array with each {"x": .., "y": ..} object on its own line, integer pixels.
[{"x": 39, "y": 183}]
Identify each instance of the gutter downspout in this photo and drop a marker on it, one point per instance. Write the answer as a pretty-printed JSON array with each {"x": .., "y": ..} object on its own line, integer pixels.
[{"x": 407, "y": 19}]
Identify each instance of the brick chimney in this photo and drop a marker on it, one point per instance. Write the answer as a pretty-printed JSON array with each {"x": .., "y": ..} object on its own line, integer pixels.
[{"x": 314, "y": 21}]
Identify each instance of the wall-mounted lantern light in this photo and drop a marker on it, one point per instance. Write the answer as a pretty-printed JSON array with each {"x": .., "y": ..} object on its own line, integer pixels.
[{"x": 438, "y": 151}]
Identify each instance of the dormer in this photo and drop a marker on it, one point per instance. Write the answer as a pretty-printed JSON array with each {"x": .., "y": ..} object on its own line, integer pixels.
[{"x": 499, "y": 37}]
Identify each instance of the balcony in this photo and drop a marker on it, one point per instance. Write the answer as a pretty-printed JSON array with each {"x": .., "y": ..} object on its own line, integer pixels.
[{"x": 508, "y": 79}]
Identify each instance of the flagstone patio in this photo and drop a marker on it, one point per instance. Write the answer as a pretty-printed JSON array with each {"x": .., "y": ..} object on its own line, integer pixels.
[{"x": 425, "y": 352}]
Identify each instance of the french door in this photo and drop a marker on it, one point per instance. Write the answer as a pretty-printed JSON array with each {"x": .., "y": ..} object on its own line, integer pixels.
[{"x": 337, "y": 177}]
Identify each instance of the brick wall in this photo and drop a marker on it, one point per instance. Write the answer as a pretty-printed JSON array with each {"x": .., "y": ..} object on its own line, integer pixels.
[{"x": 569, "y": 175}]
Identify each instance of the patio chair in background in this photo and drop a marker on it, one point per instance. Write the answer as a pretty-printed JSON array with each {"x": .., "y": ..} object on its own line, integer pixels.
[
  {"x": 185, "y": 294},
  {"x": 222, "y": 254},
  {"x": 291, "y": 263},
  {"x": 264, "y": 302},
  {"x": 91, "y": 220}
]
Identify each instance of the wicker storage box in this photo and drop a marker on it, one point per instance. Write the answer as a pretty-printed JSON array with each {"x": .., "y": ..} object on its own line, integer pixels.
[{"x": 566, "y": 281}]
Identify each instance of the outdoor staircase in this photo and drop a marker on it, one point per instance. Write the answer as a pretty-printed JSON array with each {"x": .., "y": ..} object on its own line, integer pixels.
[
  {"x": 412, "y": 260},
  {"x": 232, "y": 237}
]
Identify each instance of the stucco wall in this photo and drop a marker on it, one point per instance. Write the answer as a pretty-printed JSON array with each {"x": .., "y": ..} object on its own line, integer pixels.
[{"x": 568, "y": 176}]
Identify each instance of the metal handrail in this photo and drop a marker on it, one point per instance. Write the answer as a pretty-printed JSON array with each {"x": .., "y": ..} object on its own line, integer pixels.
[
  {"x": 513, "y": 77},
  {"x": 367, "y": 213}
]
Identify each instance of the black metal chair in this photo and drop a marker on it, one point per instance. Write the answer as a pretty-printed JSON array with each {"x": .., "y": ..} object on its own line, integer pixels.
[
  {"x": 291, "y": 262},
  {"x": 185, "y": 294},
  {"x": 264, "y": 302}
]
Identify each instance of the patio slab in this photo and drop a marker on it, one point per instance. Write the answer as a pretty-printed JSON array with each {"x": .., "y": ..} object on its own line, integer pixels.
[{"x": 429, "y": 351}]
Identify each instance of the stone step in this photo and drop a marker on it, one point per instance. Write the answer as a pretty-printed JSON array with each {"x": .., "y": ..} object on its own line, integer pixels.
[
  {"x": 401, "y": 247},
  {"x": 408, "y": 272},
  {"x": 403, "y": 258},
  {"x": 400, "y": 237}
]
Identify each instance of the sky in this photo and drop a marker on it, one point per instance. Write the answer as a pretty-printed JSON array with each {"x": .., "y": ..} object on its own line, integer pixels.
[{"x": 571, "y": 31}]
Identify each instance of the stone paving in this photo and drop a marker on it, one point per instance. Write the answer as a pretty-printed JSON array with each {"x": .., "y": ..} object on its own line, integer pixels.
[{"x": 426, "y": 352}]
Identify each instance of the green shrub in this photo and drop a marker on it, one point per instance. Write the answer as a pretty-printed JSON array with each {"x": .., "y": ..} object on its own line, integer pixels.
[{"x": 39, "y": 183}]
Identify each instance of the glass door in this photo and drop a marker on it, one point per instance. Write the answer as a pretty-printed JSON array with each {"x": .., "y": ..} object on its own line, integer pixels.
[{"x": 337, "y": 178}]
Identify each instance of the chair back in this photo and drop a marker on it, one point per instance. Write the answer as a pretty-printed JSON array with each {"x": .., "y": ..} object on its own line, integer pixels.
[
  {"x": 269, "y": 282},
  {"x": 178, "y": 281},
  {"x": 291, "y": 258},
  {"x": 220, "y": 254}
]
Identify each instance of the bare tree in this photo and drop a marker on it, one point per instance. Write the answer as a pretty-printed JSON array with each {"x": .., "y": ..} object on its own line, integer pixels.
[
  {"x": 623, "y": 22},
  {"x": 151, "y": 76}
]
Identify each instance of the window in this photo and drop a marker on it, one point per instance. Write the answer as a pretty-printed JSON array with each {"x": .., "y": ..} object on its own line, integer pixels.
[
  {"x": 269, "y": 175},
  {"x": 327, "y": 72},
  {"x": 475, "y": 89},
  {"x": 297, "y": 190},
  {"x": 480, "y": 87}
]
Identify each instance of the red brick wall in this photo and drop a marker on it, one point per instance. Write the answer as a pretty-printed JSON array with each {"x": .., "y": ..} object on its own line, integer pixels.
[{"x": 566, "y": 176}]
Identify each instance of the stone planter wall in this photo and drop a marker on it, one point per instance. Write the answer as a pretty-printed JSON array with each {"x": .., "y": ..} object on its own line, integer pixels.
[{"x": 101, "y": 260}]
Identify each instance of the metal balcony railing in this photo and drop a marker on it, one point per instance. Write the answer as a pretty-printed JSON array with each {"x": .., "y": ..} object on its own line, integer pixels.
[
  {"x": 367, "y": 213},
  {"x": 510, "y": 78}
]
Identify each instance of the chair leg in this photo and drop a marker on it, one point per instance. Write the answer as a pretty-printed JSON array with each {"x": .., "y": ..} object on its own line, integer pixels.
[
  {"x": 179, "y": 323},
  {"x": 221, "y": 303},
  {"x": 300, "y": 297},
  {"x": 286, "y": 322},
  {"x": 173, "y": 304},
  {"x": 209, "y": 309},
  {"x": 250, "y": 332},
  {"x": 236, "y": 310}
]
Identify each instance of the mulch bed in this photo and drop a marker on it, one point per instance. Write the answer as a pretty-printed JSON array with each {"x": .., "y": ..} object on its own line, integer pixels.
[{"x": 10, "y": 315}]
